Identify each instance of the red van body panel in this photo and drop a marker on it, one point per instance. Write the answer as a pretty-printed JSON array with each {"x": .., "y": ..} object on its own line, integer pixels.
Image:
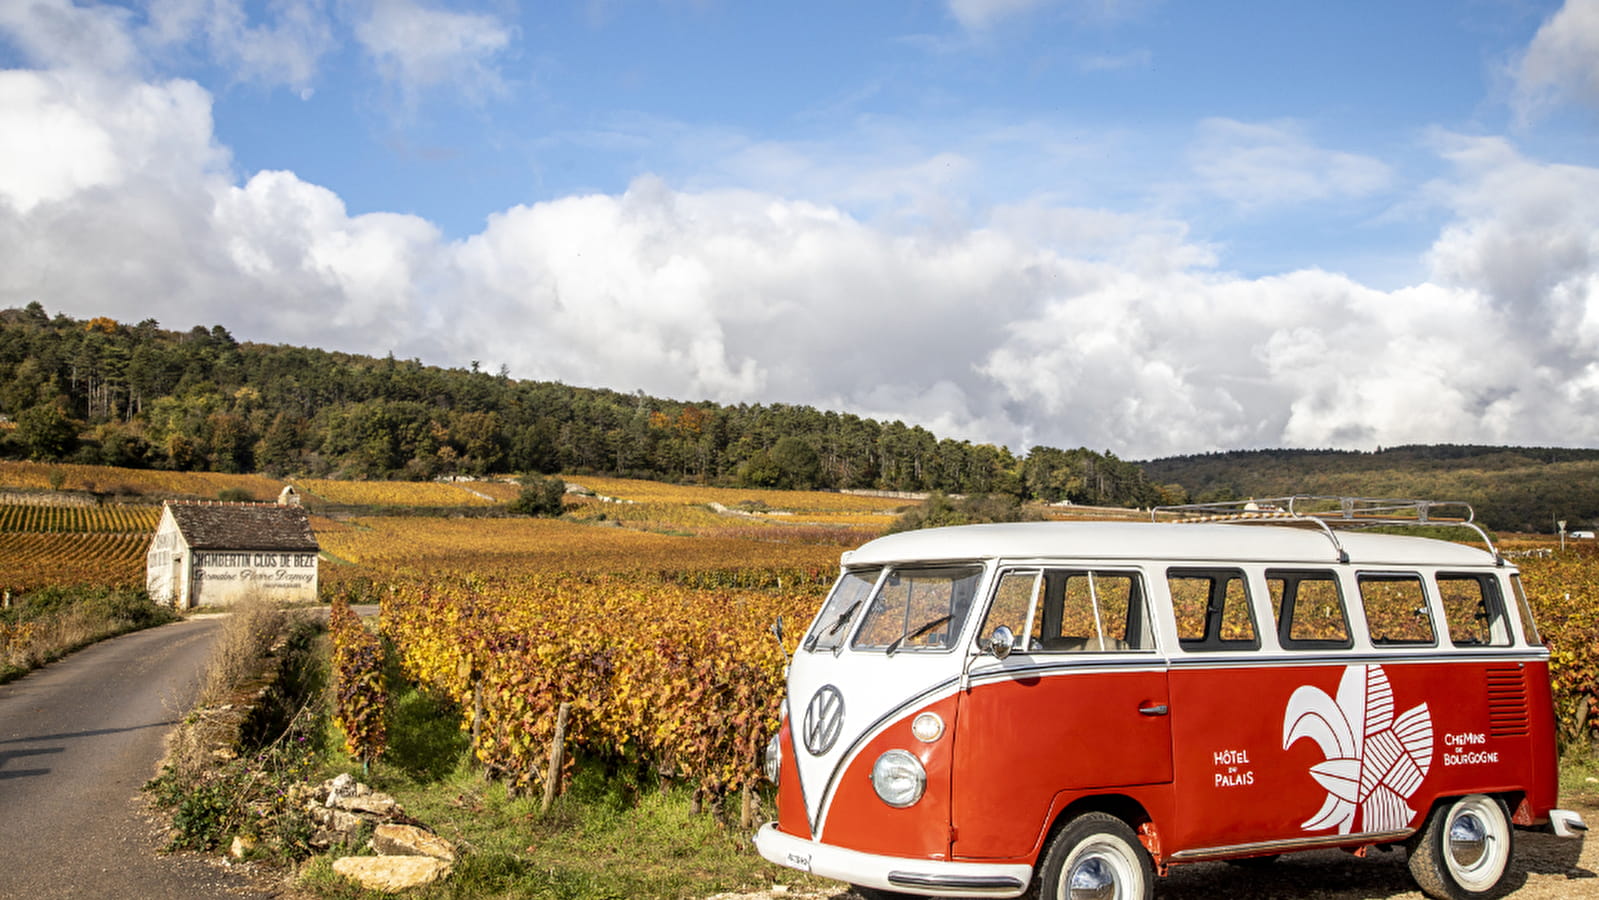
[
  {"x": 859, "y": 820},
  {"x": 1023, "y": 741},
  {"x": 790, "y": 796}
]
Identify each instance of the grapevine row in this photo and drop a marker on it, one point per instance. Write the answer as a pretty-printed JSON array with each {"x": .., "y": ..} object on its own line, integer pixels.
[
  {"x": 115, "y": 519},
  {"x": 35, "y": 560},
  {"x": 682, "y": 679}
]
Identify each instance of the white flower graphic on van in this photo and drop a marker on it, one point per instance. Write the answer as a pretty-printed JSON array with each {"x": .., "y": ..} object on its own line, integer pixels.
[{"x": 1374, "y": 761}]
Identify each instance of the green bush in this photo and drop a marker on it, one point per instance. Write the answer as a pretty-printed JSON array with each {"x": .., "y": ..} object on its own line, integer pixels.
[
  {"x": 540, "y": 497},
  {"x": 940, "y": 510}
]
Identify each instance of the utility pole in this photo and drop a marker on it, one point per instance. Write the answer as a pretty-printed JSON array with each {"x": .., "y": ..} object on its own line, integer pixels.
[{"x": 1562, "y": 526}]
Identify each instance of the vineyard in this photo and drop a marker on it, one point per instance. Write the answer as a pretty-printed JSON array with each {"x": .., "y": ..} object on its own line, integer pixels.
[
  {"x": 115, "y": 519},
  {"x": 132, "y": 482},
  {"x": 400, "y": 493},
  {"x": 405, "y": 548},
  {"x": 639, "y": 491},
  {"x": 685, "y": 680},
  {"x": 34, "y": 560},
  {"x": 1564, "y": 592}
]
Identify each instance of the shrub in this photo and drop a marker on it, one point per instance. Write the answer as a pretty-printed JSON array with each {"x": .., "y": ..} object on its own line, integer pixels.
[
  {"x": 940, "y": 510},
  {"x": 360, "y": 697},
  {"x": 540, "y": 497}
]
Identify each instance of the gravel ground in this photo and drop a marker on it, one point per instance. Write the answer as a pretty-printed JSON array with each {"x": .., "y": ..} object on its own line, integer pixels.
[{"x": 1545, "y": 868}]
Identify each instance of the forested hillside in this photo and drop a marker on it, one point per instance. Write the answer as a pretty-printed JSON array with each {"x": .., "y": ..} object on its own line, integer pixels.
[
  {"x": 104, "y": 392},
  {"x": 1511, "y": 488}
]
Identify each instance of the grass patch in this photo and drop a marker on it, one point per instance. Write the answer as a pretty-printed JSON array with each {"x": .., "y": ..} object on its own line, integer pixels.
[
  {"x": 1579, "y": 774},
  {"x": 605, "y": 839},
  {"x": 611, "y": 835},
  {"x": 45, "y": 625},
  {"x": 239, "y": 763}
]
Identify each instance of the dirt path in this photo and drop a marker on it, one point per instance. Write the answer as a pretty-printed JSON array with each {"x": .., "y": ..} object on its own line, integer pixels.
[
  {"x": 78, "y": 739},
  {"x": 1545, "y": 868}
]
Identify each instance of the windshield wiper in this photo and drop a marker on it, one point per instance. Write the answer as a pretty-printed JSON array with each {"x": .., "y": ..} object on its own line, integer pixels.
[
  {"x": 833, "y": 629},
  {"x": 917, "y": 633}
]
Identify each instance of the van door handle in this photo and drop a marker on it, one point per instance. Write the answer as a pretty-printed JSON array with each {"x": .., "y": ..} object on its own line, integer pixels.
[{"x": 1160, "y": 710}]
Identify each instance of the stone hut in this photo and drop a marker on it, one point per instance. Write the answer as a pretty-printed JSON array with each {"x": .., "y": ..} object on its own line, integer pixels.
[{"x": 213, "y": 554}]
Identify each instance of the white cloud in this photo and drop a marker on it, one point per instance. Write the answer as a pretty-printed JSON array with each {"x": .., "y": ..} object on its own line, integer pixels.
[
  {"x": 285, "y": 50},
  {"x": 419, "y": 47},
  {"x": 1273, "y": 164},
  {"x": 68, "y": 134},
  {"x": 1033, "y": 322},
  {"x": 110, "y": 40},
  {"x": 976, "y": 15},
  {"x": 59, "y": 34},
  {"x": 1562, "y": 62},
  {"x": 1527, "y": 239}
]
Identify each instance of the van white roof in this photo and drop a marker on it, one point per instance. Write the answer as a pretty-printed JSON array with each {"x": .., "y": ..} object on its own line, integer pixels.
[{"x": 1202, "y": 543}]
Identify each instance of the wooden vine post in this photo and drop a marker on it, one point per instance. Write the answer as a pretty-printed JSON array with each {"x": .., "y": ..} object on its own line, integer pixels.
[{"x": 552, "y": 775}]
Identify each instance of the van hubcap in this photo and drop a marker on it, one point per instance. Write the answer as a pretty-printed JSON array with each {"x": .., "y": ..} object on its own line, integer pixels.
[
  {"x": 1093, "y": 878},
  {"x": 1468, "y": 840}
]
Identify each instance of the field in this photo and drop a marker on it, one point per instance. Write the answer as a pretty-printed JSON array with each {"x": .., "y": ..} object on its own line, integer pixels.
[
  {"x": 149, "y": 483},
  {"x": 117, "y": 519},
  {"x": 30, "y": 560},
  {"x": 398, "y": 493}
]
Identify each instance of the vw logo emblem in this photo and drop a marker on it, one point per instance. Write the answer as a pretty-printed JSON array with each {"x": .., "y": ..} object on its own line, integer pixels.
[{"x": 824, "y": 719}]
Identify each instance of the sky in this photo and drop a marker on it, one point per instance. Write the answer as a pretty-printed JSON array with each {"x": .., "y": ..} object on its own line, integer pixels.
[{"x": 1145, "y": 226}]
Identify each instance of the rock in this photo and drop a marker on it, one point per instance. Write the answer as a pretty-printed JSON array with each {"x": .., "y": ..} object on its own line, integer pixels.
[
  {"x": 409, "y": 840},
  {"x": 340, "y": 825},
  {"x": 391, "y": 873},
  {"x": 242, "y": 845},
  {"x": 340, "y": 788},
  {"x": 372, "y": 802}
]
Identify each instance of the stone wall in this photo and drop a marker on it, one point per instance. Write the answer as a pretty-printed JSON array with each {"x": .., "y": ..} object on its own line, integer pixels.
[{"x": 48, "y": 498}]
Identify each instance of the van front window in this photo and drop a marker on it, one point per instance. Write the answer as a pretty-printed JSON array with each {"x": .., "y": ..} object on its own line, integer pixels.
[
  {"x": 919, "y": 609},
  {"x": 849, "y": 594}
]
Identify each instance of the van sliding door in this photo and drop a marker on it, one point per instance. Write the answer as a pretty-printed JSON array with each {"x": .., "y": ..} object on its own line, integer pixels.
[{"x": 1079, "y": 705}]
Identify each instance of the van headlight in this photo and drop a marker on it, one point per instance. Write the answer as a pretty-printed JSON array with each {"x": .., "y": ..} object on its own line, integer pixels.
[
  {"x": 899, "y": 778},
  {"x": 774, "y": 757}
]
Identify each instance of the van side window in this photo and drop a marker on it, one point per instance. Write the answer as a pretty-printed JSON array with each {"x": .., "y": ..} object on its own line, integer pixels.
[
  {"x": 1529, "y": 629},
  {"x": 918, "y": 609},
  {"x": 1013, "y": 602},
  {"x": 1474, "y": 610},
  {"x": 1212, "y": 610},
  {"x": 1091, "y": 612},
  {"x": 1309, "y": 610},
  {"x": 1396, "y": 610}
]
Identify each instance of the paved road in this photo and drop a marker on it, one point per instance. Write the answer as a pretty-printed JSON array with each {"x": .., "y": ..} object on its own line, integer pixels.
[{"x": 78, "y": 739}]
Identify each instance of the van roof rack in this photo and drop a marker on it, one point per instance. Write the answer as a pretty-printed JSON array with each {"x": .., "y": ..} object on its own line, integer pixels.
[{"x": 1324, "y": 512}]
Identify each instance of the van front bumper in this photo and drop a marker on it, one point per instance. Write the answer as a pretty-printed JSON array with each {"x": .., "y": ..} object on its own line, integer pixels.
[{"x": 928, "y": 877}]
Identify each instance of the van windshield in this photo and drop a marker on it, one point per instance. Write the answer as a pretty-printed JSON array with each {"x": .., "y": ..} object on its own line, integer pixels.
[
  {"x": 918, "y": 609},
  {"x": 849, "y": 594}
]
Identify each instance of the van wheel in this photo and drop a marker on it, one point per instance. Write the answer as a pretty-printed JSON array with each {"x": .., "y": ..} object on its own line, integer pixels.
[
  {"x": 1464, "y": 849},
  {"x": 1096, "y": 857}
]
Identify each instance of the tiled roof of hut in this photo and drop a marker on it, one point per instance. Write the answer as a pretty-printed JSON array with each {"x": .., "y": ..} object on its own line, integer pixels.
[{"x": 244, "y": 526}]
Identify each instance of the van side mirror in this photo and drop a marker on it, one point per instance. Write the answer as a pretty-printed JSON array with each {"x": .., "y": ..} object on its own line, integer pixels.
[{"x": 1001, "y": 642}]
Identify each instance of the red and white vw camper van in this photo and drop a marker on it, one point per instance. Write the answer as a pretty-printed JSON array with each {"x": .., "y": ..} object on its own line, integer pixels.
[{"x": 981, "y": 709}]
